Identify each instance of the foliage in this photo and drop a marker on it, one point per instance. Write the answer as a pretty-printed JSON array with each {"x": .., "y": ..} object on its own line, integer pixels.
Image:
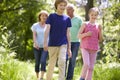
[
  {"x": 106, "y": 72},
  {"x": 18, "y": 16},
  {"x": 111, "y": 49},
  {"x": 101, "y": 72},
  {"x": 10, "y": 68}
]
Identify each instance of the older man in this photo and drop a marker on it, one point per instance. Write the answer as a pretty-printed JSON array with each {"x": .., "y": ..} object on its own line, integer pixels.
[{"x": 76, "y": 24}]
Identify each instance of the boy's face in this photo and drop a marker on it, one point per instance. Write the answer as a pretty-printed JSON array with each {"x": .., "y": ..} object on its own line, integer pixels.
[{"x": 61, "y": 7}]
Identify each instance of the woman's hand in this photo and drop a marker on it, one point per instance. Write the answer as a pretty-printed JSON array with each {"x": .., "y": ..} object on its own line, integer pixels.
[{"x": 36, "y": 46}]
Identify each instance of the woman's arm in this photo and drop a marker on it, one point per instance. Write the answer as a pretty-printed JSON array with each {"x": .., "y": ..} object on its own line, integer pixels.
[{"x": 34, "y": 40}]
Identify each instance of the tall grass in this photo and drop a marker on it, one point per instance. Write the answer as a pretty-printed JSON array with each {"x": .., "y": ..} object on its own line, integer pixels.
[
  {"x": 107, "y": 72},
  {"x": 13, "y": 69},
  {"x": 102, "y": 72}
]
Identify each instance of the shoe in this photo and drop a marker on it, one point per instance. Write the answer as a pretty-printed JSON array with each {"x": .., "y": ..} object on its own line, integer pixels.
[
  {"x": 82, "y": 79},
  {"x": 41, "y": 78}
]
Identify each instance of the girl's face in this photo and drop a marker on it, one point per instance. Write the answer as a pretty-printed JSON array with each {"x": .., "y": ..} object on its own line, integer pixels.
[
  {"x": 43, "y": 17},
  {"x": 61, "y": 7},
  {"x": 93, "y": 15}
]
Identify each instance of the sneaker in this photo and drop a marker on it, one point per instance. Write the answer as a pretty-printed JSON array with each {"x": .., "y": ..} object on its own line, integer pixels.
[
  {"x": 41, "y": 78},
  {"x": 82, "y": 79}
]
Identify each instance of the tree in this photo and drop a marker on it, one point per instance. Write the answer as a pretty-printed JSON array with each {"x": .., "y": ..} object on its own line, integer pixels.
[
  {"x": 18, "y": 16},
  {"x": 87, "y": 7}
]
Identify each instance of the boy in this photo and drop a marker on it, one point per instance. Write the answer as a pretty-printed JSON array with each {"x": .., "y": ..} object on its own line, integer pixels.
[{"x": 58, "y": 29}]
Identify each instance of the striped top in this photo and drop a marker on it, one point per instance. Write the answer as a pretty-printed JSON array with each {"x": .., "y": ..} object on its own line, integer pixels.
[{"x": 91, "y": 42}]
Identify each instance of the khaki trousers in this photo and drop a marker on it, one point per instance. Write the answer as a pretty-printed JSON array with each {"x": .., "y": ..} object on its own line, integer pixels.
[{"x": 54, "y": 54}]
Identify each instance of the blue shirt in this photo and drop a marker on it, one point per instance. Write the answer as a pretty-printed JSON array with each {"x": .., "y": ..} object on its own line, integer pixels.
[{"x": 58, "y": 29}]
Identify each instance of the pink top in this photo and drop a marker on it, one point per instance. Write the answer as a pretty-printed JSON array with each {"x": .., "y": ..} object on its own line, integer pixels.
[{"x": 91, "y": 42}]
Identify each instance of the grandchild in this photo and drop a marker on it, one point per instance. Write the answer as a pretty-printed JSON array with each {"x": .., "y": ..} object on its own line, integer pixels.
[
  {"x": 38, "y": 30},
  {"x": 90, "y": 34},
  {"x": 58, "y": 29}
]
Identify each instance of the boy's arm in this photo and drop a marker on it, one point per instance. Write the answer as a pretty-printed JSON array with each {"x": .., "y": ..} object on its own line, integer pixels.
[
  {"x": 47, "y": 30},
  {"x": 69, "y": 43}
]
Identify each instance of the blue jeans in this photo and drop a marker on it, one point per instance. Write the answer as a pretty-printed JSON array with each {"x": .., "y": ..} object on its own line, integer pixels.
[
  {"x": 40, "y": 58},
  {"x": 72, "y": 61}
]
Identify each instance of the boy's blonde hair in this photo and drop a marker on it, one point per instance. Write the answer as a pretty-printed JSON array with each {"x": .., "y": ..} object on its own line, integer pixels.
[{"x": 58, "y": 2}]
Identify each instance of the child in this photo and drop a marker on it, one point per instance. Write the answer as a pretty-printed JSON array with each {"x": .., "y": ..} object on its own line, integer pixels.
[
  {"x": 38, "y": 30},
  {"x": 90, "y": 34},
  {"x": 58, "y": 29}
]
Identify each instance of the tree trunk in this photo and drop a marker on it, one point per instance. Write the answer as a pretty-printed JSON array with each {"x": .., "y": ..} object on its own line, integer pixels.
[{"x": 87, "y": 7}]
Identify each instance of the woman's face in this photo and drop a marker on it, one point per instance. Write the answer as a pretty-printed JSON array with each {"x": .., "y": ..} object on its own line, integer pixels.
[
  {"x": 43, "y": 17},
  {"x": 93, "y": 15}
]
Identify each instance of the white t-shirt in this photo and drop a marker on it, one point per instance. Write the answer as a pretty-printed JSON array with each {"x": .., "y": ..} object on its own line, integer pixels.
[{"x": 40, "y": 33}]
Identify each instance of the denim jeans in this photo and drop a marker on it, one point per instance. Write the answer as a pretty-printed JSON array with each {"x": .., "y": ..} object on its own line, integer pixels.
[
  {"x": 40, "y": 58},
  {"x": 72, "y": 61}
]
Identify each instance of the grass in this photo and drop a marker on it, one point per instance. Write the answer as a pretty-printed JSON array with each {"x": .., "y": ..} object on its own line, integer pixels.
[
  {"x": 109, "y": 71},
  {"x": 12, "y": 69},
  {"x": 17, "y": 70}
]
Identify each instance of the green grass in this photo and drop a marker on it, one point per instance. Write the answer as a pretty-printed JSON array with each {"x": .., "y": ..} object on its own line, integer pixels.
[
  {"x": 17, "y": 70},
  {"x": 12, "y": 69},
  {"x": 109, "y": 71}
]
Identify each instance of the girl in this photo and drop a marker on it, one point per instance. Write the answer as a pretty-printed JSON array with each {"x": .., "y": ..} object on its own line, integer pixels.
[
  {"x": 38, "y": 38},
  {"x": 90, "y": 34}
]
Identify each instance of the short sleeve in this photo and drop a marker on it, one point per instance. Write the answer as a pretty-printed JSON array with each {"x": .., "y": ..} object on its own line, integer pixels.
[
  {"x": 48, "y": 21},
  {"x": 69, "y": 22},
  {"x": 33, "y": 28},
  {"x": 79, "y": 21}
]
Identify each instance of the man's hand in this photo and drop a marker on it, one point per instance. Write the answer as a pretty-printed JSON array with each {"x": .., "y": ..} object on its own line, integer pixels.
[{"x": 69, "y": 53}]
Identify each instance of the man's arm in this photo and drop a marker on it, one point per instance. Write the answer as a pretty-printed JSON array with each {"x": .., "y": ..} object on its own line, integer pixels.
[{"x": 69, "y": 43}]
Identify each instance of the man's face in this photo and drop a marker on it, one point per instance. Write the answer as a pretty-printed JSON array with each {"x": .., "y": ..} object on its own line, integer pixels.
[{"x": 70, "y": 11}]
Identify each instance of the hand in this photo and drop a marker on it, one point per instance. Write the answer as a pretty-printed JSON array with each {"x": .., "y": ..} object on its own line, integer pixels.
[
  {"x": 69, "y": 53},
  {"x": 36, "y": 46},
  {"x": 89, "y": 33},
  {"x": 100, "y": 27},
  {"x": 45, "y": 47}
]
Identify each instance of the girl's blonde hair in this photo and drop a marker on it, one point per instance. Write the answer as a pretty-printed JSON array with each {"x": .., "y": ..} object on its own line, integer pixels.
[
  {"x": 42, "y": 12},
  {"x": 95, "y": 9}
]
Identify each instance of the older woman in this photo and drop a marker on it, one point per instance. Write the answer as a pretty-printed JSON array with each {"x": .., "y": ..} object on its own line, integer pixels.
[{"x": 38, "y": 29}]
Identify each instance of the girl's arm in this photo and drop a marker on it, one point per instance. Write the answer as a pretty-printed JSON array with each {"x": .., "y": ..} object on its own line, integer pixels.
[
  {"x": 81, "y": 34},
  {"x": 47, "y": 30},
  {"x": 100, "y": 34},
  {"x": 69, "y": 43}
]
